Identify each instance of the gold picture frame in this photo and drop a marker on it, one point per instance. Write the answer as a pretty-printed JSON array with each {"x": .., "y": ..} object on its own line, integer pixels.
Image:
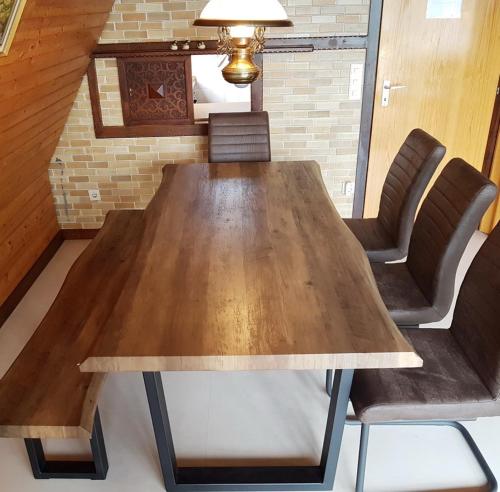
[{"x": 10, "y": 15}]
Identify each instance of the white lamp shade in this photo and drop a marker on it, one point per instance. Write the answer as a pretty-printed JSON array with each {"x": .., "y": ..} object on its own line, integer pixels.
[{"x": 243, "y": 12}]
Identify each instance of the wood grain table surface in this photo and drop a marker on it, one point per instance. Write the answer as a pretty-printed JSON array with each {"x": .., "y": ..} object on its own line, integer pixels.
[{"x": 247, "y": 267}]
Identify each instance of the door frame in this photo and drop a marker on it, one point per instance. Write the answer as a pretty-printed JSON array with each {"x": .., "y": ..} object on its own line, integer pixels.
[
  {"x": 492, "y": 135},
  {"x": 368, "y": 105}
]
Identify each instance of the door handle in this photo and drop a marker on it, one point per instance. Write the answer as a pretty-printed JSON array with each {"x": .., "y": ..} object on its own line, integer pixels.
[{"x": 386, "y": 91}]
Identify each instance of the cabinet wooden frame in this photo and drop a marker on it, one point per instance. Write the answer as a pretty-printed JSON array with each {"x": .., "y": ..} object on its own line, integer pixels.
[
  {"x": 142, "y": 130},
  {"x": 155, "y": 129}
]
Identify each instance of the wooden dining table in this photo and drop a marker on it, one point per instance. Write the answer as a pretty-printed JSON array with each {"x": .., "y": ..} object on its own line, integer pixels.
[{"x": 247, "y": 266}]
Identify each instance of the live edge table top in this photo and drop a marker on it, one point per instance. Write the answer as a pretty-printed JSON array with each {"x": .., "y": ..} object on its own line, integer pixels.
[{"x": 247, "y": 267}]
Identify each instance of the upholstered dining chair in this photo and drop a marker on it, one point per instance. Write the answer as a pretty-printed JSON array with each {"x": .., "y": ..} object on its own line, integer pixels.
[
  {"x": 421, "y": 289},
  {"x": 460, "y": 378},
  {"x": 239, "y": 137},
  {"x": 386, "y": 238}
]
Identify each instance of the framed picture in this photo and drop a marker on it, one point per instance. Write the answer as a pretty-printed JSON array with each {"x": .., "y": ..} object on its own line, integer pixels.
[{"x": 10, "y": 15}]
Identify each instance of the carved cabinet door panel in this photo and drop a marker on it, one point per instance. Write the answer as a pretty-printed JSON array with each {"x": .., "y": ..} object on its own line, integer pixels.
[{"x": 156, "y": 90}]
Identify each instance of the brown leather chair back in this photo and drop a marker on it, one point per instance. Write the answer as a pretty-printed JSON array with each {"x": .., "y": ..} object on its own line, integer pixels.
[
  {"x": 449, "y": 216},
  {"x": 239, "y": 137},
  {"x": 476, "y": 323},
  {"x": 409, "y": 175}
]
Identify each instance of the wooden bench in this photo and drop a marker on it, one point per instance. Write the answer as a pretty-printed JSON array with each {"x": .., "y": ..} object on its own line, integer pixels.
[{"x": 44, "y": 394}]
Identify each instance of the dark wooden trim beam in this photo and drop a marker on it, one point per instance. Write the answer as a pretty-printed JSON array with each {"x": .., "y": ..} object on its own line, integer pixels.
[
  {"x": 139, "y": 131},
  {"x": 318, "y": 43},
  {"x": 95, "y": 100},
  {"x": 131, "y": 50},
  {"x": 118, "y": 50},
  {"x": 73, "y": 234},
  {"x": 7, "y": 308},
  {"x": 492, "y": 135},
  {"x": 257, "y": 88},
  {"x": 369, "y": 89}
]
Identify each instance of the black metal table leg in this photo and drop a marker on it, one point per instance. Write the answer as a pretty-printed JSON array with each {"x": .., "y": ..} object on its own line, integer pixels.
[
  {"x": 339, "y": 401},
  {"x": 271, "y": 478},
  {"x": 329, "y": 382},
  {"x": 161, "y": 426},
  {"x": 92, "y": 470}
]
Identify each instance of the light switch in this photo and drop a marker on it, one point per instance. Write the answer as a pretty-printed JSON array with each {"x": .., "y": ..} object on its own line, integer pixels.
[{"x": 356, "y": 82}]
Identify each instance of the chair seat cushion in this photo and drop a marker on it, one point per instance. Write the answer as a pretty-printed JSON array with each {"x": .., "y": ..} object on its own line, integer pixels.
[
  {"x": 375, "y": 240},
  {"x": 445, "y": 388},
  {"x": 402, "y": 296}
]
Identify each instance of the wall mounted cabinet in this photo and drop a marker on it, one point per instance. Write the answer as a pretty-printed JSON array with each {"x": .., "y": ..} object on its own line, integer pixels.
[{"x": 156, "y": 90}]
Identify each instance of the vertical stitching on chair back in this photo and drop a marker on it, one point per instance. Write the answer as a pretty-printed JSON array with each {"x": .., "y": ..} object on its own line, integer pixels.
[
  {"x": 408, "y": 176},
  {"x": 476, "y": 322},
  {"x": 449, "y": 216}
]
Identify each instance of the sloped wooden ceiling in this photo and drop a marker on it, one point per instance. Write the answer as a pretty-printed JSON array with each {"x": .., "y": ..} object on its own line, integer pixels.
[{"x": 39, "y": 79}]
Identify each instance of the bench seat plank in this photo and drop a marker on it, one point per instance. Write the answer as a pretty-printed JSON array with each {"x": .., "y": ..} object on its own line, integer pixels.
[{"x": 44, "y": 394}]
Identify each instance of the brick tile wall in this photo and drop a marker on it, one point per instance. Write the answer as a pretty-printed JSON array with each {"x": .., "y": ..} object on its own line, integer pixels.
[{"x": 306, "y": 95}]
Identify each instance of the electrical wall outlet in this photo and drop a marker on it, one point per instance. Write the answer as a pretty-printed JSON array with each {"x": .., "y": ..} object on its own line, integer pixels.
[
  {"x": 348, "y": 188},
  {"x": 95, "y": 195}
]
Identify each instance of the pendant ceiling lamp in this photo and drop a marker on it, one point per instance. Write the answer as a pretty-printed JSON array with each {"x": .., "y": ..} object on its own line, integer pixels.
[{"x": 242, "y": 25}]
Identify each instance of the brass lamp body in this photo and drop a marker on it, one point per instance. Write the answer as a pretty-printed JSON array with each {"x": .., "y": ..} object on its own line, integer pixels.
[
  {"x": 241, "y": 69},
  {"x": 240, "y": 49}
]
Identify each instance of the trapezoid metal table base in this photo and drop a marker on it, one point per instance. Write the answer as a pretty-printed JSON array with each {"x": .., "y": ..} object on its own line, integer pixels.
[
  {"x": 272, "y": 478},
  {"x": 91, "y": 470}
]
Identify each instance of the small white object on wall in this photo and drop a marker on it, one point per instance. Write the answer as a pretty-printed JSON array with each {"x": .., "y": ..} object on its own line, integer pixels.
[
  {"x": 356, "y": 82},
  {"x": 348, "y": 188},
  {"x": 95, "y": 195},
  {"x": 444, "y": 9}
]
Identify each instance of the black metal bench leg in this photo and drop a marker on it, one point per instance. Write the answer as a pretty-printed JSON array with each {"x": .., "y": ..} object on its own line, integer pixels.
[
  {"x": 363, "y": 448},
  {"x": 91, "y": 470}
]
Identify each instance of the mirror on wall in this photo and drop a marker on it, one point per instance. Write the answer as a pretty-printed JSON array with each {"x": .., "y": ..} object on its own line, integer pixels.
[{"x": 211, "y": 93}]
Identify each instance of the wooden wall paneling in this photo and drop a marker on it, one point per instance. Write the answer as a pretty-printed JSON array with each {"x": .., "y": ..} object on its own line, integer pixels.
[
  {"x": 23, "y": 204},
  {"x": 8, "y": 306},
  {"x": 39, "y": 80},
  {"x": 26, "y": 245},
  {"x": 24, "y": 102}
]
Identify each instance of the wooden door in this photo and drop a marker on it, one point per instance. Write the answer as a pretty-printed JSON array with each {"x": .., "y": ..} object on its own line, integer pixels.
[{"x": 449, "y": 68}]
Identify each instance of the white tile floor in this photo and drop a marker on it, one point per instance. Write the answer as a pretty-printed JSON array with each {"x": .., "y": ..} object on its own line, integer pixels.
[{"x": 242, "y": 416}]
